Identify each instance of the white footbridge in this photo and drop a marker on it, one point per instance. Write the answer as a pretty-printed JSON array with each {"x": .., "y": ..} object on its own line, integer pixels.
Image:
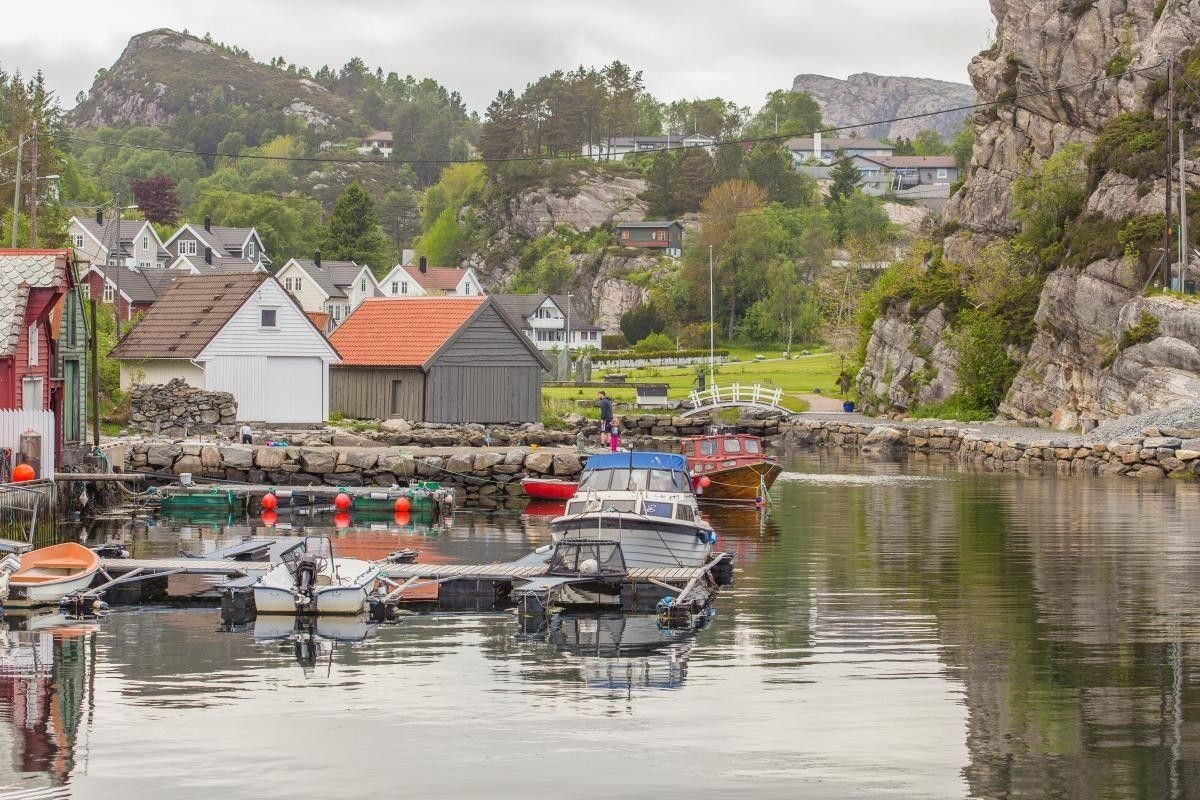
[{"x": 757, "y": 397}]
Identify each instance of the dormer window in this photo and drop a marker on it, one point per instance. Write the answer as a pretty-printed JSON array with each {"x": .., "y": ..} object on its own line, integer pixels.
[
  {"x": 145, "y": 242},
  {"x": 187, "y": 247},
  {"x": 395, "y": 287},
  {"x": 362, "y": 285},
  {"x": 250, "y": 250}
]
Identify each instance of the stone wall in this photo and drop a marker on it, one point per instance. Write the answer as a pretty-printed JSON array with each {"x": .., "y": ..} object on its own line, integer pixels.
[
  {"x": 1154, "y": 453},
  {"x": 177, "y": 409},
  {"x": 486, "y": 478}
]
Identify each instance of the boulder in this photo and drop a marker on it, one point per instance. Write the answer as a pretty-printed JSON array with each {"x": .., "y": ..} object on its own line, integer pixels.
[
  {"x": 360, "y": 459},
  {"x": 540, "y": 463},
  {"x": 210, "y": 457},
  {"x": 343, "y": 439},
  {"x": 270, "y": 458},
  {"x": 396, "y": 425},
  {"x": 883, "y": 439},
  {"x": 430, "y": 467},
  {"x": 485, "y": 461},
  {"x": 460, "y": 463},
  {"x": 238, "y": 456},
  {"x": 402, "y": 466},
  {"x": 565, "y": 464},
  {"x": 162, "y": 455},
  {"x": 187, "y": 464},
  {"x": 318, "y": 462}
]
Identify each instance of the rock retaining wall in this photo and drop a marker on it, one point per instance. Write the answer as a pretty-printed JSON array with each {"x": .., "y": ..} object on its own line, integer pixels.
[
  {"x": 485, "y": 478},
  {"x": 1152, "y": 454},
  {"x": 177, "y": 409}
]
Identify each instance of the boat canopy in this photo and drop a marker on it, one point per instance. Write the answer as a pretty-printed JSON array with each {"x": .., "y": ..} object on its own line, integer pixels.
[{"x": 644, "y": 460}]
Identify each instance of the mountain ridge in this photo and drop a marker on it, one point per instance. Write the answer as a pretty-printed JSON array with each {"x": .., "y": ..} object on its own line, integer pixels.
[{"x": 866, "y": 96}]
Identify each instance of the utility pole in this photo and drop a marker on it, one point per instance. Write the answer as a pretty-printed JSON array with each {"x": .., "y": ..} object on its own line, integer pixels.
[
  {"x": 1184, "y": 248},
  {"x": 1170, "y": 166},
  {"x": 17, "y": 189},
  {"x": 117, "y": 270},
  {"x": 712, "y": 322},
  {"x": 33, "y": 190}
]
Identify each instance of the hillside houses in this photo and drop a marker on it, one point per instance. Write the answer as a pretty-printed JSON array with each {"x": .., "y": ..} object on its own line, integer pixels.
[
  {"x": 221, "y": 241},
  {"x": 828, "y": 149},
  {"x": 616, "y": 148},
  {"x": 547, "y": 322},
  {"x": 135, "y": 244},
  {"x": 378, "y": 142}
]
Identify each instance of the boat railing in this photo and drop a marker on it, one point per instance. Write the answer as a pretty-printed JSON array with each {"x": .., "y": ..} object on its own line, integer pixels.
[{"x": 22, "y": 508}]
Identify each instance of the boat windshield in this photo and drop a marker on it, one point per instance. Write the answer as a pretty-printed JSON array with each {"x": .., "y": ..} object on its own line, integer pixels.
[{"x": 635, "y": 480}]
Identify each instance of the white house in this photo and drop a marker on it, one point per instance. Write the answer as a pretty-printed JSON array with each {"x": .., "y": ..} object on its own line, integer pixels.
[
  {"x": 406, "y": 280},
  {"x": 335, "y": 288},
  {"x": 380, "y": 141},
  {"x": 545, "y": 321},
  {"x": 223, "y": 241},
  {"x": 239, "y": 333},
  {"x": 96, "y": 241}
]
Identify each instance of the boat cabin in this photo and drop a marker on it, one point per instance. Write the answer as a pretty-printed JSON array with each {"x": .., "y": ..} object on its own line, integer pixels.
[
  {"x": 722, "y": 451},
  {"x": 621, "y": 482}
]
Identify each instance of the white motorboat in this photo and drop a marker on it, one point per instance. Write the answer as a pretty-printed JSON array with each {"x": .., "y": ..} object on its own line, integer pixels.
[
  {"x": 49, "y": 574},
  {"x": 309, "y": 580},
  {"x": 644, "y": 502}
]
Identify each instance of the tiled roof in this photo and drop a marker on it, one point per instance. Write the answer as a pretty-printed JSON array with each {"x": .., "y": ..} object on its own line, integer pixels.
[
  {"x": 519, "y": 307},
  {"x": 438, "y": 279},
  {"x": 379, "y": 136},
  {"x": 319, "y": 319},
  {"x": 402, "y": 331},
  {"x": 221, "y": 265},
  {"x": 129, "y": 229},
  {"x": 933, "y": 162},
  {"x": 21, "y": 270},
  {"x": 187, "y": 316}
]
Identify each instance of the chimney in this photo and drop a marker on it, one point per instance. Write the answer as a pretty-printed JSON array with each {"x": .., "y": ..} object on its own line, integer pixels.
[
  {"x": 317, "y": 258},
  {"x": 99, "y": 216},
  {"x": 423, "y": 265},
  {"x": 208, "y": 255},
  {"x": 208, "y": 223},
  {"x": 817, "y": 145}
]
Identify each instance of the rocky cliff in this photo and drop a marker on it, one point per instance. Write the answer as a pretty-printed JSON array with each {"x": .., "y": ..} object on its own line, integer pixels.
[
  {"x": 1101, "y": 348},
  {"x": 163, "y": 72},
  {"x": 864, "y": 97}
]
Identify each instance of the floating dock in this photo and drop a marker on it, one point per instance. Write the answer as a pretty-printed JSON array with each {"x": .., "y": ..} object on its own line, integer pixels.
[{"x": 426, "y": 497}]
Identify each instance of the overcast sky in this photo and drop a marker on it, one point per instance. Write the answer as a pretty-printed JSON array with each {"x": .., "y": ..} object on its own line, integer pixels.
[{"x": 739, "y": 50}]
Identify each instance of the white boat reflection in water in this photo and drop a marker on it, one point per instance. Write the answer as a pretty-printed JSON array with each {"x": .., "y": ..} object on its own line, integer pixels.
[
  {"x": 313, "y": 640},
  {"x": 623, "y": 651}
]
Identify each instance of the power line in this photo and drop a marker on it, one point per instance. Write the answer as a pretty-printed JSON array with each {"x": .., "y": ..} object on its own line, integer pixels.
[{"x": 575, "y": 157}]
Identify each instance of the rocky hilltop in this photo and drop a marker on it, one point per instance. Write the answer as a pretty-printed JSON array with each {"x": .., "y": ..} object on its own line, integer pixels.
[
  {"x": 864, "y": 97},
  {"x": 1100, "y": 347},
  {"x": 163, "y": 72}
]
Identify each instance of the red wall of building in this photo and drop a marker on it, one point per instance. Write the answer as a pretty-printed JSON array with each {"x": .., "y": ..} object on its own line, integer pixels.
[{"x": 96, "y": 285}]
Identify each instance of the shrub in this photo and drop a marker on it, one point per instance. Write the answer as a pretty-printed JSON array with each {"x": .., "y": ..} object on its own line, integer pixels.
[
  {"x": 984, "y": 369},
  {"x": 654, "y": 343},
  {"x": 604, "y": 358},
  {"x": 613, "y": 341},
  {"x": 1145, "y": 330},
  {"x": 1140, "y": 234},
  {"x": 1132, "y": 144},
  {"x": 695, "y": 335},
  {"x": 1090, "y": 239}
]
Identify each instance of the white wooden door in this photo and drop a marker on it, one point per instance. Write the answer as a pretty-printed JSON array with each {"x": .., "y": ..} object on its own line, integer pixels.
[
  {"x": 244, "y": 378},
  {"x": 295, "y": 389}
]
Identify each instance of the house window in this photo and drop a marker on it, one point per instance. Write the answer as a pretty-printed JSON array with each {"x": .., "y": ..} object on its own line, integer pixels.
[
  {"x": 268, "y": 318},
  {"x": 941, "y": 174},
  {"x": 468, "y": 287},
  {"x": 362, "y": 285},
  {"x": 87, "y": 291},
  {"x": 334, "y": 310},
  {"x": 395, "y": 287},
  {"x": 33, "y": 345},
  {"x": 145, "y": 242},
  {"x": 625, "y": 234},
  {"x": 31, "y": 394},
  {"x": 78, "y": 240},
  {"x": 287, "y": 284},
  {"x": 250, "y": 250},
  {"x": 108, "y": 293},
  {"x": 144, "y": 264},
  {"x": 346, "y": 311},
  {"x": 187, "y": 247},
  {"x": 404, "y": 287}
]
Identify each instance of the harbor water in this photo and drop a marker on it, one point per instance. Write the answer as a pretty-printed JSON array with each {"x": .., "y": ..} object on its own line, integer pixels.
[{"x": 896, "y": 629}]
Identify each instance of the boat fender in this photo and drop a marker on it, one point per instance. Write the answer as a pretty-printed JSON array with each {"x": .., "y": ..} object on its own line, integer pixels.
[
  {"x": 378, "y": 495},
  {"x": 546, "y": 548}
]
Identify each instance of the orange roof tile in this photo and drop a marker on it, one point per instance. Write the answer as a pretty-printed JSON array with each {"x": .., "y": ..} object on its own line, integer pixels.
[
  {"x": 318, "y": 318},
  {"x": 401, "y": 331},
  {"x": 445, "y": 279}
]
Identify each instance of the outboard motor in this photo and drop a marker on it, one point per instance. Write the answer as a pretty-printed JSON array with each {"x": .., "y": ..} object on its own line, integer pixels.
[{"x": 306, "y": 576}]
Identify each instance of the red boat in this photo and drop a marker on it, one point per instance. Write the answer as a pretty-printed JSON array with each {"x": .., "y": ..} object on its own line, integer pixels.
[
  {"x": 736, "y": 466},
  {"x": 549, "y": 488}
]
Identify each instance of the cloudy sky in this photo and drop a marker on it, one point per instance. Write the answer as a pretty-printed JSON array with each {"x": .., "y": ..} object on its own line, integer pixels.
[{"x": 739, "y": 50}]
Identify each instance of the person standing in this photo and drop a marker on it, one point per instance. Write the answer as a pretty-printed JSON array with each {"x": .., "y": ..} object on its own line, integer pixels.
[
  {"x": 247, "y": 434},
  {"x": 614, "y": 437},
  {"x": 606, "y": 417}
]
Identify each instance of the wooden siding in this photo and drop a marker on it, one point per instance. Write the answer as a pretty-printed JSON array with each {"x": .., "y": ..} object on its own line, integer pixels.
[
  {"x": 487, "y": 341},
  {"x": 293, "y": 334},
  {"x": 310, "y": 295},
  {"x": 488, "y": 395},
  {"x": 366, "y": 392},
  {"x": 161, "y": 370}
]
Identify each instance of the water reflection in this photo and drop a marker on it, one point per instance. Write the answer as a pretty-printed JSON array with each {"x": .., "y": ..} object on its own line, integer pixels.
[{"x": 313, "y": 641}]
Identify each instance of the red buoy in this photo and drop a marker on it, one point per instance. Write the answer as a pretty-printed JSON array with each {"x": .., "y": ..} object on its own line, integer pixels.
[
  {"x": 269, "y": 501},
  {"x": 401, "y": 518},
  {"x": 22, "y": 473},
  {"x": 341, "y": 519},
  {"x": 269, "y": 517},
  {"x": 342, "y": 502},
  {"x": 402, "y": 504},
  {"x": 705, "y": 481}
]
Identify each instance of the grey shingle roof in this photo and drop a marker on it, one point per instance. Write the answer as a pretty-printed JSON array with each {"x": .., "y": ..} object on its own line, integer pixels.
[
  {"x": 805, "y": 143},
  {"x": 332, "y": 276},
  {"x": 518, "y": 308},
  {"x": 20, "y": 271},
  {"x": 650, "y": 223},
  {"x": 129, "y": 229}
]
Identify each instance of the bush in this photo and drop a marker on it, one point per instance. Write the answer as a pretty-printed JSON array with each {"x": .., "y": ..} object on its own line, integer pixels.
[
  {"x": 1132, "y": 144},
  {"x": 1090, "y": 239},
  {"x": 984, "y": 369},
  {"x": 1140, "y": 234},
  {"x": 695, "y": 335},
  {"x": 1145, "y": 330},
  {"x": 654, "y": 343},
  {"x": 613, "y": 341}
]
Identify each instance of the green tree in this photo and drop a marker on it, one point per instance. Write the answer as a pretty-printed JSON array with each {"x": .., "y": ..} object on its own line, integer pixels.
[
  {"x": 772, "y": 167},
  {"x": 963, "y": 146},
  {"x": 641, "y": 321},
  {"x": 786, "y": 113},
  {"x": 290, "y": 226},
  {"x": 354, "y": 232},
  {"x": 660, "y": 185},
  {"x": 928, "y": 143},
  {"x": 1045, "y": 199},
  {"x": 859, "y": 216},
  {"x": 442, "y": 242},
  {"x": 846, "y": 178},
  {"x": 903, "y": 147}
]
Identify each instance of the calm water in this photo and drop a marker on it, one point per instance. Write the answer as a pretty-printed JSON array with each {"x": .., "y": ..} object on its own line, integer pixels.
[{"x": 898, "y": 630}]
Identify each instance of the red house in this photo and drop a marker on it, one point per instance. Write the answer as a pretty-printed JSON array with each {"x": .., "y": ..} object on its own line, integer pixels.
[{"x": 33, "y": 283}]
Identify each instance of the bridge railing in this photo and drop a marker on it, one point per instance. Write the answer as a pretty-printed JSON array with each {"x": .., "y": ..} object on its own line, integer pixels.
[{"x": 736, "y": 395}]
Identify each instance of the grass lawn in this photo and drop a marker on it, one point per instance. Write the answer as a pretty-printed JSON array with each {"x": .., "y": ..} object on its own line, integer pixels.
[{"x": 799, "y": 375}]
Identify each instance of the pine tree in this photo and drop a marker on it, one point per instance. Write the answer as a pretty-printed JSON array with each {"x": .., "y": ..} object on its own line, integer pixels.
[
  {"x": 354, "y": 232},
  {"x": 845, "y": 177}
]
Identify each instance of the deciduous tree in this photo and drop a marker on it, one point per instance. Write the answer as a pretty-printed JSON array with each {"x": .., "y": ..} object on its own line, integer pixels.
[{"x": 157, "y": 198}]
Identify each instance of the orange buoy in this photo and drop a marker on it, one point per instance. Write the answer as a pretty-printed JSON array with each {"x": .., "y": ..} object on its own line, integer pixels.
[
  {"x": 402, "y": 504},
  {"x": 705, "y": 481},
  {"x": 269, "y": 517},
  {"x": 269, "y": 501},
  {"x": 22, "y": 473},
  {"x": 341, "y": 519},
  {"x": 342, "y": 501}
]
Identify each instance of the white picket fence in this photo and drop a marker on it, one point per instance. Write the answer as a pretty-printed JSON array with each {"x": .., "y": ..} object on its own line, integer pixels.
[{"x": 13, "y": 423}]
